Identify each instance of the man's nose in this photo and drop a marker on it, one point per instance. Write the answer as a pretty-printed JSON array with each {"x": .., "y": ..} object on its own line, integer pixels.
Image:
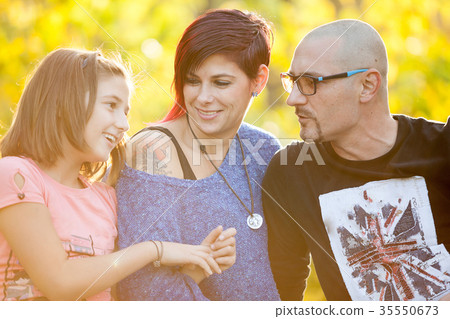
[{"x": 296, "y": 97}]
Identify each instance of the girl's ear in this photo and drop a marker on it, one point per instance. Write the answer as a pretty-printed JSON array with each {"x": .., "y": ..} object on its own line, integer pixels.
[
  {"x": 261, "y": 79},
  {"x": 370, "y": 85}
]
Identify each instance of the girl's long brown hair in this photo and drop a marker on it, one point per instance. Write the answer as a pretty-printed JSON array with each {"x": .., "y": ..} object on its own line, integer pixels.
[{"x": 53, "y": 108}]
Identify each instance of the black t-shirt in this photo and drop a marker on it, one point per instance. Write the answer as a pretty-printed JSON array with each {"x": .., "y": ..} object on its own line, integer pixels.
[{"x": 384, "y": 217}]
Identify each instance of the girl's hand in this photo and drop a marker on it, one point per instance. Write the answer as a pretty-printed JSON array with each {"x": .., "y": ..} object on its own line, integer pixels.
[{"x": 175, "y": 254}]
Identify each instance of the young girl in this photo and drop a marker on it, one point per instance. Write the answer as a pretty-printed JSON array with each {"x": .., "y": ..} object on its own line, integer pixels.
[{"x": 72, "y": 114}]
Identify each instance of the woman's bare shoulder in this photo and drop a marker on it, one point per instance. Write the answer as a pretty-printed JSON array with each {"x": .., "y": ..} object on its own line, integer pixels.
[{"x": 154, "y": 152}]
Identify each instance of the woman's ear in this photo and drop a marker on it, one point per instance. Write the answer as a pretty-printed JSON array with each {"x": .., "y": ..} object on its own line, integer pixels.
[
  {"x": 370, "y": 85},
  {"x": 261, "y": 79}
]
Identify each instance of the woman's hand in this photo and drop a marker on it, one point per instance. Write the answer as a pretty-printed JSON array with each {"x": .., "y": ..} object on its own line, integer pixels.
[{"x": 224, "y": 249}]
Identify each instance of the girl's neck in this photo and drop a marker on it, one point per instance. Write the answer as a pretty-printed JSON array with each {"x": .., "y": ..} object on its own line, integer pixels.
[{"x": 65, "y": 172}]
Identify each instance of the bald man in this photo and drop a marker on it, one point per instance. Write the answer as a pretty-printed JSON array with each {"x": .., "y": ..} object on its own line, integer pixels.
[{"x": 367, "y": 194}]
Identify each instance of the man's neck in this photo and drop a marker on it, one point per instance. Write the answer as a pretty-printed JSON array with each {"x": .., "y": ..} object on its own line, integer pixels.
[{"x": 373, "y": 140}]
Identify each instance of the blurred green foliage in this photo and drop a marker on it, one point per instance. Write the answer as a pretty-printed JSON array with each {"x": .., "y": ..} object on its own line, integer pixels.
[{"x": 416, "y": 32}]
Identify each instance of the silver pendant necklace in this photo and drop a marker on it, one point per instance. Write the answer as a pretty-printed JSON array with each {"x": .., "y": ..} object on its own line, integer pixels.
[{"x": 254, "y": 221}]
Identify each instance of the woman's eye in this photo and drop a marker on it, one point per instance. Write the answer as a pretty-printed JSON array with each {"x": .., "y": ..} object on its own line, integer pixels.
[
  {"x": 222, "y": 83},
  {"x": 192, "y": 81}
]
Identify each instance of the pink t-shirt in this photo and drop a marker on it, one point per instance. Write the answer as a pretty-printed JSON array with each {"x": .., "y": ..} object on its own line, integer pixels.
[{"x": 85, "y": 221}]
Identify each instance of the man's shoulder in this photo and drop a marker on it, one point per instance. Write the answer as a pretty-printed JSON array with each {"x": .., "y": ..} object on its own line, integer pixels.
[
  {"x": 289, "y": 155},
  {"x": 286, "y": 165},
  {"x": 422, "y": 124},
  {"x": 421, "y": 130},
  {"x": 298, "y": 158}
]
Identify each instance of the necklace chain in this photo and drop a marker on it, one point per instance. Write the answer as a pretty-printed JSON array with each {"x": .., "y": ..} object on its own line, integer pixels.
[{"x": 203, "y": 150}]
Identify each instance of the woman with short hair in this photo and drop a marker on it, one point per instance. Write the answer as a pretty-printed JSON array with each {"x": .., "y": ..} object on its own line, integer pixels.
[{"x": 202, "y": 165}]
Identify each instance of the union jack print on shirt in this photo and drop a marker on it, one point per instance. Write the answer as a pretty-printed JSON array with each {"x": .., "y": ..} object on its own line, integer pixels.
[{"x": 384, "y": 241}]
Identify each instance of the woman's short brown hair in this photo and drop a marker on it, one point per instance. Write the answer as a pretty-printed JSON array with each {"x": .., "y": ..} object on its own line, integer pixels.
[
  {"x": 53, "y": 108},
  {"x": 244, "y": 37}
]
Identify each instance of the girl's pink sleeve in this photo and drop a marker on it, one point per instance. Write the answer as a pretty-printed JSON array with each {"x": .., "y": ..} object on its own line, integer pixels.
[{"x": 10, "y": 192}]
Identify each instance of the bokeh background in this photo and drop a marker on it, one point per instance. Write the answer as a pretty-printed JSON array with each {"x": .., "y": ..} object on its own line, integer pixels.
[{"x": 416, "y": 32}]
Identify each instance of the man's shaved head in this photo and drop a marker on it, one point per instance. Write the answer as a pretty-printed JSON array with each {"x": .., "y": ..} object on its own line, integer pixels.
[{"x": 358, "y": 44}]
